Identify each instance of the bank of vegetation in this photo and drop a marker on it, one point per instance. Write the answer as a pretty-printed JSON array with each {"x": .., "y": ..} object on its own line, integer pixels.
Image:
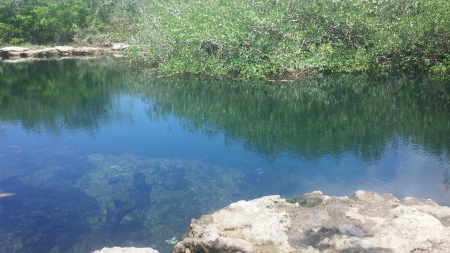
[{"x": 260, "y": 38}]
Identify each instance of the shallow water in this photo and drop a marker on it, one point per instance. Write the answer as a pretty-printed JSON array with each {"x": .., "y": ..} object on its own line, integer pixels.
[{"x": 94, "y": 154}]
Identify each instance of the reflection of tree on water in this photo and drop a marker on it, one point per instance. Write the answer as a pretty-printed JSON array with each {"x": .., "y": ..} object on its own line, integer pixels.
[
  {"x": 361, "y": 115},
  {"x": 311, "y": 118},
  {"x": 315, "y": 117},
  {"x": 56, "y": 94}
]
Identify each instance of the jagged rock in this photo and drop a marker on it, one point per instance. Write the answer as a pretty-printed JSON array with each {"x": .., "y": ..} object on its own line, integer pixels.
[
  {"x": 126, "y": 250},
  {"x": 368, "y": 222}
]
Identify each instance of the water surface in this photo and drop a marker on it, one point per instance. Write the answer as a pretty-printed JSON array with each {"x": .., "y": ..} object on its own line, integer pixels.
[{"x": 97, "y": 154}]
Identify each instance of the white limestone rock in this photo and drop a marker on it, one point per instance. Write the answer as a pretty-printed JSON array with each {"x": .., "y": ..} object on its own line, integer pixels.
[{"x": 367, "y": 222}]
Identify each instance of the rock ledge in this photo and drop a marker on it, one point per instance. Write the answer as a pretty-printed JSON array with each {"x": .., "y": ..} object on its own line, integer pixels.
[
  {"x": 12, "y": 53},
  {"x": 367, "y": 222}
]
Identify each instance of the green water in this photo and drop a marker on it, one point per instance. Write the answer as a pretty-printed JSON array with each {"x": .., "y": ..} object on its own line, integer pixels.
[{"x": 97, "y": 154}]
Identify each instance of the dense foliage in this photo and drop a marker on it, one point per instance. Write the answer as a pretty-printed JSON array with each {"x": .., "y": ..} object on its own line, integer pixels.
[
  {"x": 60, "y": 21},
  {"x": 41, "y": 21},
  {"x": 260, "y": 38},
  {"x": 267, "y": 38}
]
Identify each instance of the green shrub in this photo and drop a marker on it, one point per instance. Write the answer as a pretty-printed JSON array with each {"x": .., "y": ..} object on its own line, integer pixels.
[
  {"x": 280, "y": 38},
  {"x": 42, "y": 21}
]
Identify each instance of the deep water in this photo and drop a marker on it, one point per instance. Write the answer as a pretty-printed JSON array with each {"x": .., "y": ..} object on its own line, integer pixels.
[{"x": 94, "y": 154}]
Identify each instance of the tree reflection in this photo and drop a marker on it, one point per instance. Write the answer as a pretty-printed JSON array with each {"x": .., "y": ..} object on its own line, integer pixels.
[
  {"x": 328, "y": 115},
  {"x": 361, "y": 114},
  {"x": 58, "y": 94}
]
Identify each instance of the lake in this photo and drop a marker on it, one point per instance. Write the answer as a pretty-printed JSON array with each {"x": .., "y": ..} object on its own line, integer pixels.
[{"x": 94, "y": 153}]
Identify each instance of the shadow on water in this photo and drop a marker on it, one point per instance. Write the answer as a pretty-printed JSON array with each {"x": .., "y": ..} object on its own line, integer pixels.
[{"x": 115, "y": 212}]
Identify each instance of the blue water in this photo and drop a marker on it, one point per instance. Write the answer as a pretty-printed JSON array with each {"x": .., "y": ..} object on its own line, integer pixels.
[{"x": 97, "y": 154}]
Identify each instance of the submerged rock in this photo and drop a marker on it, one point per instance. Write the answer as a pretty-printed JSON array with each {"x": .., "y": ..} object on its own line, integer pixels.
[{"x": 368, "y": 222}]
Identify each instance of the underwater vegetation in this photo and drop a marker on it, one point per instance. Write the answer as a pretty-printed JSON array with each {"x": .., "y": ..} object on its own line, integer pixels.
[
  {"x": 107, "y": 200},
  {"x": 154, "y": 198},
  {"x": 304, "y": 201}
]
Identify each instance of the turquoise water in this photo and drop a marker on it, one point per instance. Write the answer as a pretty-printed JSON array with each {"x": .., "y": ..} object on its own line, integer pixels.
[{"x": 96, "y": 154}]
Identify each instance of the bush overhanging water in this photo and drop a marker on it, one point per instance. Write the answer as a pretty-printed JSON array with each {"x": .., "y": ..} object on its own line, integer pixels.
[{"x": 267, "y": 38}]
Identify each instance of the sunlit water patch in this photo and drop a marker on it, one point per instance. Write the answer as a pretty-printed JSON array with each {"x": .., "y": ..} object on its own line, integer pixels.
[{"x": 93, "y": 154}]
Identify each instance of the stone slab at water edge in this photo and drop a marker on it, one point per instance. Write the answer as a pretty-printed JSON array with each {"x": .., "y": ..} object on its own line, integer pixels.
[
  {"x": 367, "y": 222},
  {"x": 59, "y": 51}
]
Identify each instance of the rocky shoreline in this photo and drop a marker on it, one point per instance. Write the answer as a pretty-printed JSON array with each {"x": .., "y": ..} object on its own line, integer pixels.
[
  {"x": 13, "y": 54},
  {"x": 317, "y": 223}
]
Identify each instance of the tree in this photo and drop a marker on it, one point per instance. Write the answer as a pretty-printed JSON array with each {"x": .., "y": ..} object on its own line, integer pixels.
[{"x": 42, "y": 21}]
